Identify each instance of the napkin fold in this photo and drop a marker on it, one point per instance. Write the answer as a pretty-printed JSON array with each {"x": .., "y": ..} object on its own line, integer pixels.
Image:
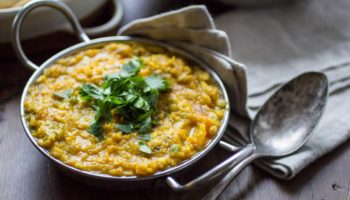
[{"x": 193, "y": 29}]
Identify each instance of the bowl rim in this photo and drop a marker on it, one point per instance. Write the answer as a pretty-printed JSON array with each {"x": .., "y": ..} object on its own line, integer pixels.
[{"x": 105, "y": 40}]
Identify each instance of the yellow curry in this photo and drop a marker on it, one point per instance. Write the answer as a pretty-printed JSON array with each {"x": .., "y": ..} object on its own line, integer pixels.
[{"x": 187, "y": 115}]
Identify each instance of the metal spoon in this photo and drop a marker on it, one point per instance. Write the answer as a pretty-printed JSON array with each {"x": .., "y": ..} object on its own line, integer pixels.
[{"x": 284, "y": 123}]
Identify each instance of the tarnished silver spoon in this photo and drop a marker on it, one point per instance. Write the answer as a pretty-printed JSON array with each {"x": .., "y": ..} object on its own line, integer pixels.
[{"x": 283, "y": 124}]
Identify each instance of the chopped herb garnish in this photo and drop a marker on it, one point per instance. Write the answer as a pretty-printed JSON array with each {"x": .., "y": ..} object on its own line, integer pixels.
[
  {"x": 146, "y": 125},
  {"x": 125, "y": 128},
  {"x": 145, "y": 137},
  {"x": 174, "y": 149},
  {"x": 157, "y": 83},
  {"x": 91, "y": 91},
  {"x": 96, "y": 129},
  {"x": 134, "y": 98},
  {"x": 64, "y": 94},
  {"x": 144, "y": 148}
]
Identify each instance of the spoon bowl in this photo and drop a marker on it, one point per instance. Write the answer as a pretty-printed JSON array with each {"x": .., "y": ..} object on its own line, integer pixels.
[
  {"x": 282, "y": 125},
  {"x": 287, "y": 119}
]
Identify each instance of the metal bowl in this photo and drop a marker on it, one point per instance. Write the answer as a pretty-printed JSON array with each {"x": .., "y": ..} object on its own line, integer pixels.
[{"x": 97, "y": 179}]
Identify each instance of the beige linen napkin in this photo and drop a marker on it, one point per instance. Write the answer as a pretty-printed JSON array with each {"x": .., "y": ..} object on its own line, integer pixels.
[{"x": 192, "y": 28}]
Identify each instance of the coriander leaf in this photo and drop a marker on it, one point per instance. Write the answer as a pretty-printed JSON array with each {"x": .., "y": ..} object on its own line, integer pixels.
[
  {"x": 125, "y": 128},
  {"x": 138, "y": 82},
  {"x": 142, "y": 117},
  {"x": 145, "y": 137},
  {"x": 141, "y": 103},
  {"x": 174, "y": 149},
  {"x": 146, "y": 125},
  {"x": 152, "y": 98},
  {"x": 128, "y": 96},
  {"x": 131, "y": 68},
  {"x": 157, "y": 83},
  {"x": 103, "y": 111},
  {"x": 116, "y": 100},
  {"x": 96, "y": 129},
  {"x": 107, "y": 91},
  {"x": 91, "y": 91},
  {"x": 65, "y": 94},
  {"x": 144, "y": 148},
  {"x": 95, "y": 107},
  {"x": 112, "y": 76}
]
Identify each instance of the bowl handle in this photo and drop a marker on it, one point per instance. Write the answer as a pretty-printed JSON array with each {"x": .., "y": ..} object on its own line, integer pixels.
[
  {"x": 214, "y": 172},
  {"x": 16, "y": 27},
  {"x": 115, "y": 20}
]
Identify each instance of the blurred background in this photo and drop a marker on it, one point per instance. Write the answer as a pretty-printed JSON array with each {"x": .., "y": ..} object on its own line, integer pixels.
[{"x": 46, "y": 33}]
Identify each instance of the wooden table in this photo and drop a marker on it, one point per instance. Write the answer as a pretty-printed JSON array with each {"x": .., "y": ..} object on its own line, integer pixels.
[{"x": 26, "y": 174}]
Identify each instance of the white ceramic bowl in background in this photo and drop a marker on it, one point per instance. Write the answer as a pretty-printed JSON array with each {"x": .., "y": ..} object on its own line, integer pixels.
[{"x": 44, "y": 20}]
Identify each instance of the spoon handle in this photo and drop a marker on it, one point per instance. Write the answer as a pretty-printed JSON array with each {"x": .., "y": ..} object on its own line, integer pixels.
[
  {"x": 217, "y": 189},
  {"x": 214, "y": 172}
]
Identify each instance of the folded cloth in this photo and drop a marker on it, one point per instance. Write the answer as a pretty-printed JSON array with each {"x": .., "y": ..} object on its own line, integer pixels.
[{"x": 192, "y": 28}]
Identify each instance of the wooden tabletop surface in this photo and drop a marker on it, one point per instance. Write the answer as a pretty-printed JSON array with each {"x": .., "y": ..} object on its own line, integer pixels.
[{"x": 26, "y": 174}]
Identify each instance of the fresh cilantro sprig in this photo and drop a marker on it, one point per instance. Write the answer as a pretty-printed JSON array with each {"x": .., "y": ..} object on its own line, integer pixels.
[
  {"x": 134, "y": 98},
  {"x": 144, "y": 148},
  {"x": 64, "y": 94}
]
